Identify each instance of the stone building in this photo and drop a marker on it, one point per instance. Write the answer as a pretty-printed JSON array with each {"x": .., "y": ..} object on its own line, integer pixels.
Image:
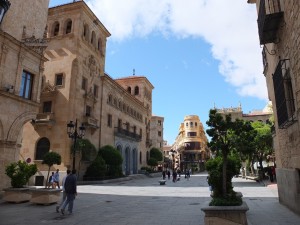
[
  {"x": 255, "y": 115},
  {"x": 191, "y": 144},
  {"x": 278, "y": 30},
  {"x": 156, "y": 131},
  {"x": 114, "y": 112},
  {"x": 22, "y": 42}
]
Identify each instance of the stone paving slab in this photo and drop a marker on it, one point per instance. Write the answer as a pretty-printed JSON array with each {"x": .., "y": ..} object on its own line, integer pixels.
[{"x": 145, "y": 202}]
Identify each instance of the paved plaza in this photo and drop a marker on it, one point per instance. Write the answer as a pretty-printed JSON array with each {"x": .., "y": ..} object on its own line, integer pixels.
[{"x": 142, "y": 200}]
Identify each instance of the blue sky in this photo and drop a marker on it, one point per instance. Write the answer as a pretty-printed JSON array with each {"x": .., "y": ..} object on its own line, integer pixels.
[{"x": 196, "y": 53}]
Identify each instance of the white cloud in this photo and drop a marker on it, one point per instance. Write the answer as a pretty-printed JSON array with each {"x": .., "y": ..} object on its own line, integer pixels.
[{"x": 228, "y": 26}]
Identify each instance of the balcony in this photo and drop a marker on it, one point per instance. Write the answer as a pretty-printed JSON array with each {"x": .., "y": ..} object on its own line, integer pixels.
[
  {"x": 90, "y": 122},
  {"x": 269, "y": 18},
  {"x": 44, "y": 119},
  {"x": 120, "y": 132}
]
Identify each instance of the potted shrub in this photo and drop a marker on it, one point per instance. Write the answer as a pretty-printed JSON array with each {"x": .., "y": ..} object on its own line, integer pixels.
[
  {"x": 46, "y": 195},
  {"x": 229, "y": 139},
  {"x": 19, "y": 173}
]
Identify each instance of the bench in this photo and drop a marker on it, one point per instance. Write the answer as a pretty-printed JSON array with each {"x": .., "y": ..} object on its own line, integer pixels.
[{"x": 162, "y": 182}]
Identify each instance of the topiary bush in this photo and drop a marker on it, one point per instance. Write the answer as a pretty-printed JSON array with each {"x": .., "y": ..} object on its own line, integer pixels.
[
  {"x": 96, "y": 170},
  {"x": 215, "y": 168},
  {"x": 20, "y": 173},
  {"x": 113, "y": 159}
]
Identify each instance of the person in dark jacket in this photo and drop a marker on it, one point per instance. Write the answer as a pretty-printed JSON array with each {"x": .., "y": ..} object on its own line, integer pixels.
[{"x": 70, "y": 186}]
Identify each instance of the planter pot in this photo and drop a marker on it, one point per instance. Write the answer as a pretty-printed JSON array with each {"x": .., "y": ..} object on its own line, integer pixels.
[
  {"x": 45, "y": 196},
  {"x": 16, "y": 195},
  {"x": 226, "y": 215}
]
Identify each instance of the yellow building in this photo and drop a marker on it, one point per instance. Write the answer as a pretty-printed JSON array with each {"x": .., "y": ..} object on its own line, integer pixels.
[
  {"x": 114, "y": 112},
  {"x": 190, "y": 146},
  {"x": 22, "y": 42},
  {"x": 278, "y": 30}
]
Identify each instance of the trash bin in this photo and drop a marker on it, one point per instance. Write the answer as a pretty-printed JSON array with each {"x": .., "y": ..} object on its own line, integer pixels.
[{"x": 39, "y": 181}]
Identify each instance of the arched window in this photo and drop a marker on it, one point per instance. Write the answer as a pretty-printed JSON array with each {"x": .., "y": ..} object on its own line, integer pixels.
[
  {"x": 42, "y": 147},
  {"x": 68, "y": 27},
  {"x": 55, "y": 29},
  {"x": 110, "y": 99},
  {"x": 93, "y": 38},
  {"x": 129, "y": 90},
  {"x": 86, "y": 32},
  {"x": 136, "y": 90}
]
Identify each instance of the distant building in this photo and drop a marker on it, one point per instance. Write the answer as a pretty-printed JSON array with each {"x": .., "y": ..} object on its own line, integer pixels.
[
  {"x": 191, "y": 145},
  {"x": 256, "y": 115},
  {"x": 278, "y": 31}
]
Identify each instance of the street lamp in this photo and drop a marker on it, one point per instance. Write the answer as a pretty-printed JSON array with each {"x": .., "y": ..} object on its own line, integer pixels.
[
  {"x": 4, "y": 6},
  {"x": 74, "y": 134}
]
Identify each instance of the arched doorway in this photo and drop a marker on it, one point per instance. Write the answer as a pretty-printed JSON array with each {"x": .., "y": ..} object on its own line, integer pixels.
[
  {"x": 119, "y": 147},
  {"x": 134, "y": 161},
  {"x": 127, "y": 161}
]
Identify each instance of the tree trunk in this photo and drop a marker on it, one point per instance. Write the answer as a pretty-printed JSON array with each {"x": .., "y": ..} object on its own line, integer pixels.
[
  {"x": 47, "y": 180},
  {"x": 224, "y": 174}
]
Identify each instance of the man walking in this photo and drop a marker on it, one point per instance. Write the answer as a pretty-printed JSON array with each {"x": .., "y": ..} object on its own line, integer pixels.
[
  {"x": 63, "y": 189},
  {"x": 71, "y": 191}
]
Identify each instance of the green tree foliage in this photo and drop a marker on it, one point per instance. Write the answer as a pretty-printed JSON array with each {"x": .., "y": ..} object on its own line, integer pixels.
[
  {"x": 152, "y": 162},
  {"x": 20, "y": 173},
  {"x": 156, "y": 154},
  {"x": 87, "y": 149},
  {"x": 227, "y": 137},
  {"x": 50, "y": 159},
  {"x": 113, "y": 160},
  {"x": 263, "y": 141},
  {"x": 97, "y": 169}
]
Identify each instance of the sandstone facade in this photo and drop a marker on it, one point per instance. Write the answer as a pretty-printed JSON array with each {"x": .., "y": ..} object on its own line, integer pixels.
[
  {"x": 22, "y": 41},
  {"x": 279, "y": 28}
]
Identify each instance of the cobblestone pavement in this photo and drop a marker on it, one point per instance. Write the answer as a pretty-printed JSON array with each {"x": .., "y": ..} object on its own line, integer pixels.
[{"x": 142, "y": 201}]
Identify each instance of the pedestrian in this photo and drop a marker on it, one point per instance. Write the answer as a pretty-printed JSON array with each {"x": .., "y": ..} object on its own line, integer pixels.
[
  {"x": 164, "y": 175},
  {"x": 174, "y": 176},
  {"x": 50, "y": 181},
  {"x": 71, "y": 192},
  {"x": 56, "y": 178},
  {"x": 63, "y": 189},
  {"x": 188, "y": 174},
  {"x": 169, "y": 174}
]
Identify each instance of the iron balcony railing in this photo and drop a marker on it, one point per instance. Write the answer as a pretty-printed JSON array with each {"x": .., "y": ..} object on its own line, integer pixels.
[{"x": 127, "y": 134}]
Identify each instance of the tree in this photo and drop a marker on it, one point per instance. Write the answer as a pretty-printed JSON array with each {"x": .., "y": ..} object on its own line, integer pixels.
[
  {"x": 87, "y": 149},
  {"x": 50, "y": 159},
  {"x": 156, "y": 154},
  {"x": 20, "y": 173},
  {"x": 113, "y": 160},
  {"x": 227, "y": 137},
  {"x": 97, "y": 169},
  {"x": 152, "y": 162},
  {"x": 263, "y": 142}
]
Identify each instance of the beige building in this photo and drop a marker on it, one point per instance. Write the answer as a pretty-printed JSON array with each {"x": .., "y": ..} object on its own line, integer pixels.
[
  {"x": 191, "y": 145},
  {"x": 278, "y": 29},
  {"x": 114, "y": 112},
  {"x": 255, "y": 115},
  {"x": 22, "y": 42},
  {"x": 157, "y": 131}
]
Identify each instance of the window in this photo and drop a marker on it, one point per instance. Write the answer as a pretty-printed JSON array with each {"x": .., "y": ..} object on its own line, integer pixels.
[
  {"x": 129, "y": 90},
  {"x": 159, "y": 122},
  {"x": 109, "y": 120},
  {"x": 141, "y": 132},
  {"x": 192, "y": 145},
  {"x": 186, "y": 124},
  {"x": 95, "y": 91},
  {"x": 47, "y": 107},
  {"x": 84, "y": 83},
  {"x": 42, "y": 147},
  {"x": 93, "y": 38},
  {"x": 59, "y": 79},
  {"x": 55, "y": 28},
  {"x": 86, "y": 32},
  {"x": 284, "y": 96},
  {"x": 191, "y": 134},
  {"x": 136, "y": 90},
  {"x": 191, "y": 124},
  {"x": 110, "y": 99},
  {"x": 159, "y": 133},
  {"x": 196, "y": 124},
  {"x": 134, "y": 129},
  {"x": 140, "y": 157},
  {"x": 26, "y": 85},
  {"x": 119, "y": 123},
  {"x": 88, "y": 110},
  {"x": 69, "y": 27}
]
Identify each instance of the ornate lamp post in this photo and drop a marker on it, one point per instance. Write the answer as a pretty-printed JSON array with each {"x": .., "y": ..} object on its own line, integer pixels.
[
  {"x": 74, "y": 134},
  {"x": 4, "y": 6}
]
